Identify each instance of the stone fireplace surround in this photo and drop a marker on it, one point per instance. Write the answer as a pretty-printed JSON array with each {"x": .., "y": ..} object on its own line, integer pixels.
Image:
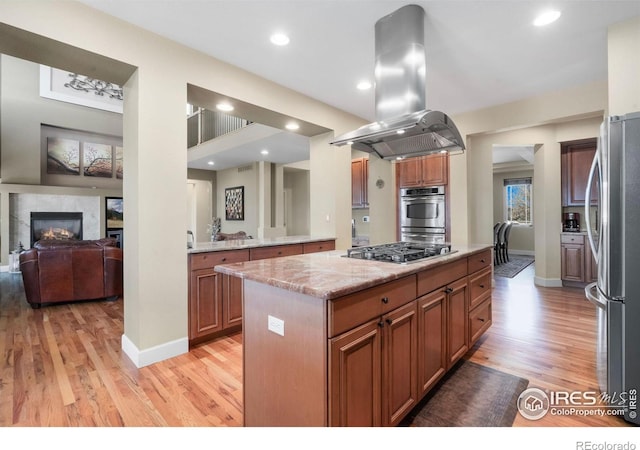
[{"x": 22, "y": 204}]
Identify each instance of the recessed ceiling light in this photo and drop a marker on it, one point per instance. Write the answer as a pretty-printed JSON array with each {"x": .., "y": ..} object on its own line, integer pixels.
[
  {"x": 546, "y": 18},
  {"x": 279, "y": 39},
  {"x": 264, "y": 152},
  {"x": 364, "y": 85},
  {"x": 292, "y": 126},
  {"x": 349, "y": 142},
  {"x": 211, "y": 163},
  {"x": 400, "y": 132},
  {"x": 224, "y": 107}
]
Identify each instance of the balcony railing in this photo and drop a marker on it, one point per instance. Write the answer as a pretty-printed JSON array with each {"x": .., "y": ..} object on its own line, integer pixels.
[{"x": 204, "y": 125}]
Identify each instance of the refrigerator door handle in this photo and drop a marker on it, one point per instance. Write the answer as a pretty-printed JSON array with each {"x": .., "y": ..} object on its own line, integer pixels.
[
  {"x": 588, "y": 292},
  {"x": 587, "y": 202}
]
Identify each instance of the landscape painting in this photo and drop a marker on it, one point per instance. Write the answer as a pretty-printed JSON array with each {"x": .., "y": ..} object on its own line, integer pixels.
[
  {"x": 63, "y": 156},
  {"x": 97, "y": 160},
  {"x": 113, "y": 213}
]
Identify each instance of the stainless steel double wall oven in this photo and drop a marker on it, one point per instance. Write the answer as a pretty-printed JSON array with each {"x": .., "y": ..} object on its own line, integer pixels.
[{"x": 422, "y": 214}]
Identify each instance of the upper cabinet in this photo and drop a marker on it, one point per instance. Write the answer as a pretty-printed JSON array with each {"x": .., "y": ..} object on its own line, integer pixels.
[
  {"x": 429, "y": 170},
  {"x": 359, "y": 181},
  {"x": 577, "y": 157}
]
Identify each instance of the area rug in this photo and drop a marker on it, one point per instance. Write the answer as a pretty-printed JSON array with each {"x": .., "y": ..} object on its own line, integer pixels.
[
  {"x": 513, "y": 267},
  {"x": 469, "y": 395}
]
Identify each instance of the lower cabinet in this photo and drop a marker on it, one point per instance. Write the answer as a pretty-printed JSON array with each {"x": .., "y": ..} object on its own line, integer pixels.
[
  {"x": 457, "y": 327},
  {"x": 215, "y": 300},
  {"x": 577, "y": 264},
  {"x": 432, "y": 340}
]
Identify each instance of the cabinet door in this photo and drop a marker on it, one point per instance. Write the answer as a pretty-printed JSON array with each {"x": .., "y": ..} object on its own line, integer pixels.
[
  {"x": 365, "y": 183},
  {"x": 355, "y": 377},
  {"x": 205, "y": 302},
  {"x": 356, "y": 182},
  {"x": 399, "y": 365},
  {"x": 435, "y": 170},
  {"x": 409, "y": 172},
  {"x": 457, "y": 324},
  {"x": 231, "y": 301},
  {"x": 572, "y": 262},
  {"x": 432, "y": 340},
  {"x": 577, "y": 157}
]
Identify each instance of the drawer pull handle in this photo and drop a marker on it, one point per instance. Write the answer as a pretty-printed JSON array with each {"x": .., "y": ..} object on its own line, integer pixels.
[
  {"x": 389, "y": 321},
  {"x": 385, "y": 300},
  {"x": 480, "y": 319},
  {"x": 448, "y": 290},
  {"x": 280, "y": 253},
  {"x": 224, "y": 259}
]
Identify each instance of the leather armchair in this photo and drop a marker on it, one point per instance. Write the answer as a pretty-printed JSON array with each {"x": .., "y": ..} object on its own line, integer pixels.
[{"x": 56, "y": 271}]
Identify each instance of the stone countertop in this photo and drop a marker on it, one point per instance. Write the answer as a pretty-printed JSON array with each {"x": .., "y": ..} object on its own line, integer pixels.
[
  {"x": 329, "y": 275},
  {"x": 237, "y": 244}
]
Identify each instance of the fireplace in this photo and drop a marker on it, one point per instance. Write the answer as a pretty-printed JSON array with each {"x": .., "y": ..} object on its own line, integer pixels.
[{"x": 55, "y": 225}]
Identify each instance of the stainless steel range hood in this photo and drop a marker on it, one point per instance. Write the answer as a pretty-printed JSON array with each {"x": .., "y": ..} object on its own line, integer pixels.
[{"x": 403, "y": 127}]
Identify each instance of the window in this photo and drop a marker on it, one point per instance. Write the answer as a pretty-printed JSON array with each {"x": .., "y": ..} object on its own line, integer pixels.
[{"x": 518, "y": 200}]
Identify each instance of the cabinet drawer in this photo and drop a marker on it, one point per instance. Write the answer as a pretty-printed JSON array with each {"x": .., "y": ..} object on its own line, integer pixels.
[
  {"x": 433, "y": 278},
  {"x": 275, "y": 251},
  {"x": 479, "y": 286},
  {"x": 211, "y": 259},
  {"x": 479, "y": 261},
  {"x": 352, "y": 310},
  {"x": 479, "y": 320},
  {"x": 572, "y": 238},
  {"x": 323, "y": 246}
]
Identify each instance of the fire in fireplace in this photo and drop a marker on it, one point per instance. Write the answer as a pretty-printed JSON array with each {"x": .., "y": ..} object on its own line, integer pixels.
[{"x": 55, "y": 225}]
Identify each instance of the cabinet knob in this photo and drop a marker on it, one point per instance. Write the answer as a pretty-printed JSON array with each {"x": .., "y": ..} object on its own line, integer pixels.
[
  {"x": 448, "y": 290},
  {"x": 280, "y": 253},
  {"x": 482, "y": 260},
  {"x": 389, "y": 321},
  {"x": 480, "y": 319},
  {"x": 381, "y": 324},
  {"x": 482, "y": 286},
  {"x": 224, "y": 259},
  {"x": 385, "y": 300}
]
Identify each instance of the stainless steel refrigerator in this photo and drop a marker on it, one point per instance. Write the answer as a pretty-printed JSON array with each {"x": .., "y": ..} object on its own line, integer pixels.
[{"x": 616, "y": 248}]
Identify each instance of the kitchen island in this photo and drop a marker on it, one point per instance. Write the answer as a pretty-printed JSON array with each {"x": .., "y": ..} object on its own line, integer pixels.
[
  {"x": 215, "y": 300},
  {"x": 335, "y": 341}
]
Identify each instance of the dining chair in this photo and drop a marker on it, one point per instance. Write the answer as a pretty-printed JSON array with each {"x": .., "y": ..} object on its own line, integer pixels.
[{"x": 497, "y": 233}]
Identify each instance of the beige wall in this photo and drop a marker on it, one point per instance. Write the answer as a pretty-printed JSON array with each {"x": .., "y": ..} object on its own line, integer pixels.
[
  {"x": 624, "y": 67},
  {"x": 246, "y": 176},
  {"x": 296, "y": 183}
]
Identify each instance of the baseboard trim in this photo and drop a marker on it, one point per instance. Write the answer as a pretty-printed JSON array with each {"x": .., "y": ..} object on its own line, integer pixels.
[
  {"x": 547, "y": 282},
  {"x": 154, "y": 354},
  {"x": 522, "y": 252}
]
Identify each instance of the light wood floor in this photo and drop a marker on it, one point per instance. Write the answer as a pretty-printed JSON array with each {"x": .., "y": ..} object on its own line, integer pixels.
[{"x": 63, "y": 366}]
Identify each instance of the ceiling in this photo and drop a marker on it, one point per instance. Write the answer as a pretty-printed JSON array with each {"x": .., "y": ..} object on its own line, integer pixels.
[{"x": 479, "y": 53}]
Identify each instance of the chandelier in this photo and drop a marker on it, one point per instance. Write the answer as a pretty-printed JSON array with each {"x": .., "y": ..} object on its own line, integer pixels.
[{"x": 98, "y": 87}]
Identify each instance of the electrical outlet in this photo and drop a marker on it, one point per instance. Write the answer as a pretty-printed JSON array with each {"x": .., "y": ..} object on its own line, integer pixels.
[{"x": 275, "y": 325}]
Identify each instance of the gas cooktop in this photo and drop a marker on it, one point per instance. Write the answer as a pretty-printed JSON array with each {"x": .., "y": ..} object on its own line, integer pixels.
[{"x": 400, "y": 252}]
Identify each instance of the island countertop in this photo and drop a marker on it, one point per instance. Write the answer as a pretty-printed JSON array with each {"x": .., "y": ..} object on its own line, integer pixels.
[
  {"x": 329, "y": 275},
  {"x": 237, "y": 244}
]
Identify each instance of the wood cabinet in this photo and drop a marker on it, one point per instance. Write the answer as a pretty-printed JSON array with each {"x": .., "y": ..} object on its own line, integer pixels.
[
  {"x": 359, "y": 183},
  {"x": 577, "y": 263},
  {"x": 385, "y": 346},
  {"x": 429, "y": 170},
  {"x": 215, "y": 300},
  {"x": 576, "y": 159},
  {"x": 374, "y": 366}
]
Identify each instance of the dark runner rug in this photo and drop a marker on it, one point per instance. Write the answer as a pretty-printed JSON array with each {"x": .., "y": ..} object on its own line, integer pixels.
[
  {"x": 513, "y": 267},
  {"x": 469, "y": 395}
]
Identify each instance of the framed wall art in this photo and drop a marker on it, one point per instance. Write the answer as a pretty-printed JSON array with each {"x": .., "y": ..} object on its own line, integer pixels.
[
  {"x": 113, "y": 213},
  {"x": 234, "y": 203}
]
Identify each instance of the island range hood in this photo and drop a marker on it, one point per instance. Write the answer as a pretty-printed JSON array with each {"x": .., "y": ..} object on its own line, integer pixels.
[{"x": 403, "y": 126}]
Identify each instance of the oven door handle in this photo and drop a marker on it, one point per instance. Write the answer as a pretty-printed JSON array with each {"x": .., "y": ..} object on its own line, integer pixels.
[{"x": 433, "y": 199}]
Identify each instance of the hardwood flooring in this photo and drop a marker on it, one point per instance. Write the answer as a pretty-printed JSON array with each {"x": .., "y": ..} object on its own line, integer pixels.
[{"x": 62, "y": 366}]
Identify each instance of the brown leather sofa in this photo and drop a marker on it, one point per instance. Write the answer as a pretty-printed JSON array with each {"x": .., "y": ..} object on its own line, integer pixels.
[{"x": 56, "y": 271}]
